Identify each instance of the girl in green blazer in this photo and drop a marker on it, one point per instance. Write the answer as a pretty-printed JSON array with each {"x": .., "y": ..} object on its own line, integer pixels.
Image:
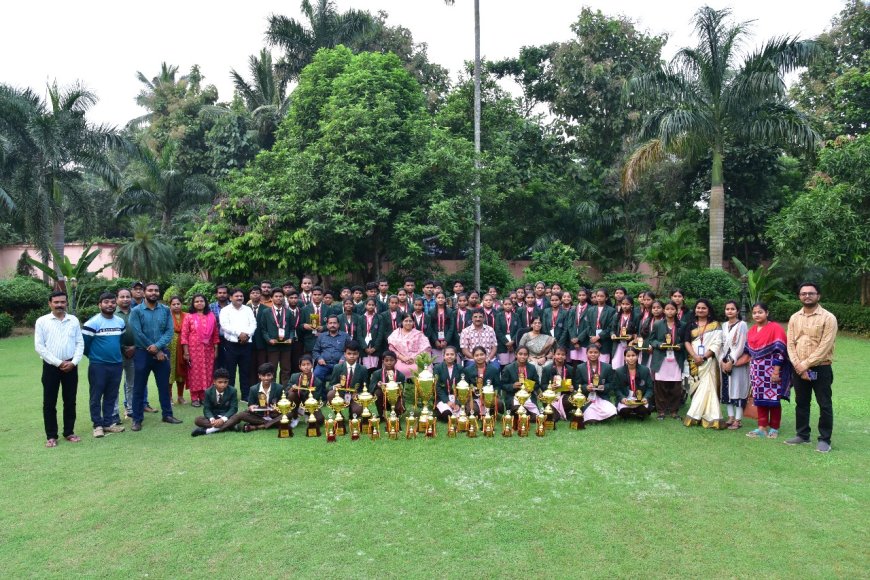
[
  {"x": 513, "y": 374},
  {"x": 479, "y": 373},
  {"x": 599, "y": 408},
  {"x": 667, "y": 363},
  {"x": 599, "y": 321},
  {"x": 633, "y": 379}
]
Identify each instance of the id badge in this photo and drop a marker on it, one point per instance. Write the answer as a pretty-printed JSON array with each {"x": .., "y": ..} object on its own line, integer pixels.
[
  {"x": 599, "y": 331},
  {"x": 508, "y": 338},
  {"x": 451, "y": 398},
  {"x": 280, "y": 334},
  {"x": 701, "y": 350},
  {"x": 552, "y": 332},
  {"x": 347, "y": 398},
  {"x": 368, "y": 338},
  {"x": 670, "y": 355},
  {"x": 440, "y": 335}
]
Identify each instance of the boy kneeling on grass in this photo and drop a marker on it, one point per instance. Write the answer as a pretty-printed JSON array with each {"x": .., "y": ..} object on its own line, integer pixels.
[{"x": 219, "y": 408}]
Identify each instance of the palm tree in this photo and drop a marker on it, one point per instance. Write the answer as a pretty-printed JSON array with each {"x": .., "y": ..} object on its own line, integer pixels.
[
  {"x": 477, "y": 220},
  {"x": 146, "y": 256},
  {"x": 700, "y": 100},
  {"x": 327, "y": 29},
  {"x": 265, "y": 96},
  {"x": 155, "y": 96},
  {"x": 48, "y": 146},
  {"x": 162, "y": 188}
]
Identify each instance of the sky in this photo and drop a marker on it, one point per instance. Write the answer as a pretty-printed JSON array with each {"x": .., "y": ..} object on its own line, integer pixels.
[{"x": 104, "y": 43}]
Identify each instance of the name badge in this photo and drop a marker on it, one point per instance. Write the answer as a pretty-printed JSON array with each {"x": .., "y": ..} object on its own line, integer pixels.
[
  {"x": 670, "y": 355},
  {"x": 552, "y": 332},
  {"x": 369, "y": 337},
  {"x": 599, "y": 331},
  {"x": 280, "y": 334},
  {"x": 451, "y": 398},
  {"x": 347, "y": 398},
  {"x": 701, "y": 350},
  {"x": 440, "y": 335}
]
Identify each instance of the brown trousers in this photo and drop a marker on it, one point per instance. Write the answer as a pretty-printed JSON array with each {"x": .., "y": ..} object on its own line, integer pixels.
[
  {"x": 668, "y": 396},
  {"x": 282, "y": 358}
]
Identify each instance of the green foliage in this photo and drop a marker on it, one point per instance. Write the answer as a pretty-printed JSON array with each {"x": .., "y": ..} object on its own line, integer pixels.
[
  {"x": 671, "y": 251},
  {"x": 762, "y": 283},
  {"x": 707, "y": 283},
  {"x": 6, "y": 325},
  {"x": 147, "y": 256},
  {"x": 67, "y": 270},
  {"x": 170, "y": 292},
  {"x": 20, "y": 294},
  {"x": 88, "y": 291},
  {"x": 556, "y": 264},
  {"x": 232, "y": 143},
  {"x": 32, "y": 316},
  {"x": 494, "y": 271},
  {"x": 86, "y": 313},
  {"x": 633, "y": 282},
  {"x": 207, "y": 289}
]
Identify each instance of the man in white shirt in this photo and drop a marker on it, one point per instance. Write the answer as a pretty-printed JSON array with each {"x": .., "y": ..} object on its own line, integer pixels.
[
  {"x": 238, "y": 325},
  {"x": 58, "y": 341}
]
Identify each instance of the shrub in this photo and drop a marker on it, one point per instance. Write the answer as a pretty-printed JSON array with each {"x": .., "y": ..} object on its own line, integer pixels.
[
  {"x": 494, "y": 271},
  {"x": 170, "y": 292},
  {"x": 205, "y": 288},
  {"x": 31, "y": 317},
  {"x": 715, "y": 285},
  {"x": 86, "y": 313},
  {"x": 631, "y": 281},
  {"x": 88, "y": 291},
  {"x": 556, "y": 264},
  {"x": 20, "y": 294},
  {"x": 184, "y": 281},
  {"x": 6, "y": 324}
]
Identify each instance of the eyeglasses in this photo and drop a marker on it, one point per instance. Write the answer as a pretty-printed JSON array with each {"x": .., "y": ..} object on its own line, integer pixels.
[{"x": 807, "y": 293}]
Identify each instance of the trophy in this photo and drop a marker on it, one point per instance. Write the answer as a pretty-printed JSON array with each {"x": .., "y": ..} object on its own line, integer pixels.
[
  {"x": 473, "y": 425},
  {"x": 639, "y": 345},
  {"x": 488, "y": 396},
  {"x": 507, "y": 423},
  {"x": 314, "y": 321},
  {"x": 424, "y": 391},
  {"x": 451, "y": 425},
  {"x": 540, "y": 422},
  {"x": 365, "y": 399},
  {"x": 374, "y": 430},
  {"x": 623, "y": 334},
  {"x": 578, "y": 399},
  {"x": 311, "y": 405},
  {"x": 284, "y": 407},
  {"x": 547, "y": 397},
  {"x": 391, "y": 390},
  {"x": 522, "y": 415},
  {"x": 330, "y": 430},
  {"x": 354, "y": 428},
  {"x": 668, "y": 344},
  {"x": 393, "y": 426},
  {"x": 262, "y": 400},
  {"x": 463, "y": 391},
  {"x": 337, "y": 404},
  {"x": 411, "y": 426}
]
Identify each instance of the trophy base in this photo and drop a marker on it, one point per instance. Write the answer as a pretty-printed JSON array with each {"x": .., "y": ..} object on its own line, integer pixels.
[
  {"x": 507, "y": 432},
  {"x": 550, "y": 425},
  {"x": 451, "y": 433},
  {"x": 330, "y": 438},
  {"x": 354, "y": 436},
  {"x": 488, "y": 433},
  {"x": 540, "y": 431},
  {"x": 375, "y": 434},
  {"x": 284, "y": 431},
  {"x": 462, "y": 427},
  {"x": 577, "y": 423},
  {"x": 394, "y": 435},
  {"x": 312, "y": 430},
  {"x": 411, "y": 434},
  {"x": 472, "y": 432}
]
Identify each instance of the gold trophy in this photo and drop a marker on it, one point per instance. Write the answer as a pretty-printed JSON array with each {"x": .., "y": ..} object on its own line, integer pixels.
[
  {"x": 314, "y": 321},
  {"x": 354, "y": 428},
  {"x": 623, "y": 334},
  {"x": 337, "y": 404},
  {"x": 488, "y": 396},
  {"x": 262, "y": 400},
  {"x": 411, "y": 426},
  {"x": 393, "y": 426},
  {"x": 578, "y": 399},
  {"x": 639, "y": 345},
  {"x": 507, "y": 424},
  {"x": 424, "y": 392},
  {"x": 391, "y": 391},
  {"x": 330, "y": 430},
  {"x": 540, "y": 424},
  {"x": 522, "y": 415},
  {"x": 547, "y": 397},
  {"x": 285, "y": 406},
  {"x": 463, "y": 391},
  {"x": 365, "y": 399},
  {"x": 473, "y": 425},
  {"x": 311, "y": 405}
]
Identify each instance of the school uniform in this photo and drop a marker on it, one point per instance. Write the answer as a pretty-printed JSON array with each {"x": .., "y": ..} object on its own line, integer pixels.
[
  {"x": 510, "y": 375},
  {"x": 562, "y": 404},
  {"x": 445, "y": 387},
  {"x": 268, "y": 419},
  {"x": 441, "y": 323},
  {"x": 506, "y": 325},
  {"x": 527, "y": 315},
  {"x": 382, "y": 376},
  {"x": 578, "y": 328},
  {"x": 461, "y": 321},
  {"x": 269, "y": 323},
  {"x": 490, "y": 375},
  {"x": 369, "y": 336},
  {"x": 599, "y": 321},
  {"x": 555, "y": 324},
  {"x": 219, "y": 406},
  {"x": 625, "y": 389},
  {"x": 309, "y": 336},
  {"x": 298, "y": 394},
  {"x": 667, "y": 366},
  {"x": 258, "y": 355},
  {"x": 354, "y": 380},
  {"x": 621, "y": 321}
]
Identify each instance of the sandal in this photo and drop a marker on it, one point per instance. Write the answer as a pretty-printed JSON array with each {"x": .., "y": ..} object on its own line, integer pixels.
[
  {"x": 73, "y": 438},
  {"x": 773, "y": 434},
  {"x": 661, "y": 417},
  {"x": 51, "y": 443},
  {"x": 735, "y": 425},
  {"x": 757, "y": 434}
]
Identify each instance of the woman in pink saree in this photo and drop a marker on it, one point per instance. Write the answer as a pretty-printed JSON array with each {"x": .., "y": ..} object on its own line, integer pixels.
[{"x": 407, "y": 342}]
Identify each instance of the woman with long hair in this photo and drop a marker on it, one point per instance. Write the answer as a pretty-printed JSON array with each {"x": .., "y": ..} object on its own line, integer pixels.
[
  {"x": 668, "y": 357},
  {"x": 199, "y": 340},
  {"x": 734, "y": 364},
  {"x": 769, "y": 371},
  {"x": 703, "y": 342},
  {"x": 177, "y": 364}
]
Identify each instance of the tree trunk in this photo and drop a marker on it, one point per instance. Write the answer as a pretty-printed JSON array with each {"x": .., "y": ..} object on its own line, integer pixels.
[
  {"x": 865, "y": 289},
  {"x": 717, "y": 212},
  {"x": 477, "y": 145},
  {"x": 58, "y": 240}
]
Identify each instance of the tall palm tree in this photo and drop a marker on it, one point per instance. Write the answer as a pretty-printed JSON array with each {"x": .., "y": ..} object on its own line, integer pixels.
[
  {"x": 48, "y": 146},
  {"x": 161, "y": 188},
  {"x": 702, "y": 98},
  {"x": 327, "y": 29},
  {"x": 146, "y": 256},
  {"x": 265, "y": 96},
  {"x": 477, "y": 220},
  {"x": 154, "y": 95}
]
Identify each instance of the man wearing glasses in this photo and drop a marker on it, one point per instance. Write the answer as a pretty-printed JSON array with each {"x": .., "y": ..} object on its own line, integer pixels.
[{"x": 811, "y": 334}]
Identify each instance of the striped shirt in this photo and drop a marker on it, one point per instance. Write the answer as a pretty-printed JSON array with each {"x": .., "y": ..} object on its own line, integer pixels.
[
  {"x": 57, "y": 340},
  {"x": 103, "y": 339}
]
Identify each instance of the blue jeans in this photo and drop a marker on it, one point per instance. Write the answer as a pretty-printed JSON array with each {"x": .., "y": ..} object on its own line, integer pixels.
[
  {"x": 129, "y": 372},
  {"x": 145, "y": 364},
  {"x": 104, "y": 381},
  {"x": 322, "y": 372}
]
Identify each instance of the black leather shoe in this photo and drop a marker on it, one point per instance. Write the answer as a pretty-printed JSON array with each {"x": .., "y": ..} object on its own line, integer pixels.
[
  {"x": 136, "y": 427},
  {"x": 171, "y": 420},
  {"x": 197, "y": 432}
]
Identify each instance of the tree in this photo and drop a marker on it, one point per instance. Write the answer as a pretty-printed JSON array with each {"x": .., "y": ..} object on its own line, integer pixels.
[
  {"x": 265, "y": 96},
  {"x": 835, "y": 88},
  {"x": 146, "y": 256},
  {"x": 327, "y": 28},
  {"x": 700, "y": 100},
  {"x": 161, "y": 188},
  {"x": 827, "y": 223},
  {"x": 49, "y": 147}
]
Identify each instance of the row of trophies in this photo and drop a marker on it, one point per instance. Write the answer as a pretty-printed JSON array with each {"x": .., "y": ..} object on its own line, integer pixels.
[{"x": 424, "y": 395}]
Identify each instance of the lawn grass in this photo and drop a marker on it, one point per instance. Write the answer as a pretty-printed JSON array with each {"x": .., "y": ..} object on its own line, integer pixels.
[{"x": 653, "y": 499}]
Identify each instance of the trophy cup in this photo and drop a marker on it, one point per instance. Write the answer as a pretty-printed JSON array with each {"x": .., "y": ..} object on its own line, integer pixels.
[
  {"x": 337, "y": 404},
  {"x": 451, "y": 426},
  {"x": 488, "y": 396},
  {"x": 262, "y": 400},
  {"x": 411, "y": 426},
  {"x": 639, "y": 345},
  {"x": 285, "y": 406},
  {"x": 507, "y": 424},
  {"x": 311, "y": 405},
  {"x": 393, "y": 426},
  {"x": 463, "y": 391},
  {"x": 540, "y": 423},
  {"x": 354, "y": 428},
  {"x": 314, "y": 321},
  {"x": 623, "y": 334},
  {"x": 578, "y": 399},
  {"x": 547, "y": 397},
  {"x": 391, "y": 390},
  {"x": 365, "y": 399},
  {"x": 330, "y": 430},
  {"x": 473, "y": 425},
  {"x": 424, "y": 391},
  {"x": 522, "y": 415}
]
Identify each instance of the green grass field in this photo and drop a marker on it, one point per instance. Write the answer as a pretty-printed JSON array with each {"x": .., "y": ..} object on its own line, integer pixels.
[{"x": 653, "y": 499}]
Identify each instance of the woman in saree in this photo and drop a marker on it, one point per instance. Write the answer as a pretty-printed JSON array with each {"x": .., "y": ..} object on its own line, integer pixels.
[
  {"x": 769, "y": 371},
  {"x": 538, "y": 343},
  {"x": 407, "y": 342},
  {"x": 703, "y": 342}
]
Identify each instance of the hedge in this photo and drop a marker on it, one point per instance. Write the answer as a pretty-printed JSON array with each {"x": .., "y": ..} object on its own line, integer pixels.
[
  {"x": 6, "y": 324},
  {"x": 22, "y": 293}
]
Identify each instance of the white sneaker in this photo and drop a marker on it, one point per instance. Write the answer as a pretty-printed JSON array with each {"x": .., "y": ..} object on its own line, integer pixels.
[
  {"x": 114, "y": 428},
  {"x": 294, "y": 422},
  {"x": 98, "y": 432}
]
